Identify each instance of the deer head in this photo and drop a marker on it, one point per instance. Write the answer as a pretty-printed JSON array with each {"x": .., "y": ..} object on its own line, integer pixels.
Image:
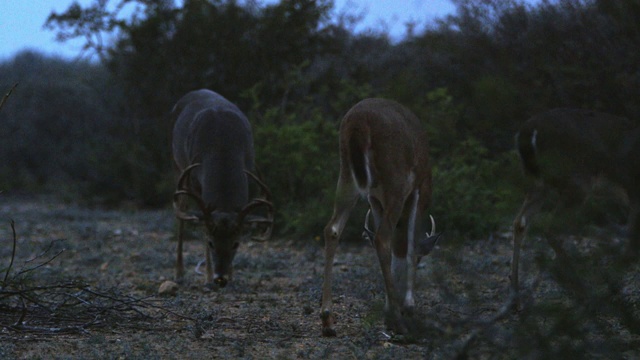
[{"x": 424, "y": 244}]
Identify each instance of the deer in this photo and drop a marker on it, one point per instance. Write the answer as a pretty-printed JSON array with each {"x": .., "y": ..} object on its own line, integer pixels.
[
  {"x": 384, "y": 157},
  {"x": 212, "y": 147},
  {"x": 571, "y": 150}
]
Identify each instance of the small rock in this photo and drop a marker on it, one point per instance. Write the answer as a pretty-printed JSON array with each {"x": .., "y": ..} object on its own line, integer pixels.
[{"x": 168, "y": 287}]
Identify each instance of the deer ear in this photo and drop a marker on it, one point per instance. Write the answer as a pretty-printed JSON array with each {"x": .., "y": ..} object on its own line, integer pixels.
[
  {"x": 193, "y": 217},
  {"x": 427, "y": 243}
]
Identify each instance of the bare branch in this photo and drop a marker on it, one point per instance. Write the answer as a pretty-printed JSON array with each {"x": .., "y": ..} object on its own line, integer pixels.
[
  {"x": 6, "y": 96},
  {"x": 13, "y": 253}
]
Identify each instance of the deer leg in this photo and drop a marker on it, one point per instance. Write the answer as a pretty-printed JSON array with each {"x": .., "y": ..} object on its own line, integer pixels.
[
  {"x": 179, "y": 260},
  {"x": 412, "y": 222},
  {"x": 565, "y": 273},
  {"x": 376, "y": 210},
  {"x": 383, "y": 242},
  {"x": 531, "y": 205},
  {"x": 332, "y": 232},
  {"x": 208, "y": 275},
  {"x": 634, "y": 228}
]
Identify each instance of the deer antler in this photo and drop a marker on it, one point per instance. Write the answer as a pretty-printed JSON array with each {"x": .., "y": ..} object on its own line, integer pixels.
[
  {"x": 433, "y": 227},
  {"x": 255, "y": 203},
  {"x": 184, "y": 190},
  {"x": 263, "y": 186},
  {"x": 368, "y": 234}
]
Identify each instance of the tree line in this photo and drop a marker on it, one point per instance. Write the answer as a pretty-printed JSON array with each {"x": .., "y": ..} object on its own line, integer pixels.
[{"x": 96, "y": 129}]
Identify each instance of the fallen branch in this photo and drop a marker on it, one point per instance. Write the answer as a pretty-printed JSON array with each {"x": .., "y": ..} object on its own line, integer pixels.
[{"x": 71, "y": 307}]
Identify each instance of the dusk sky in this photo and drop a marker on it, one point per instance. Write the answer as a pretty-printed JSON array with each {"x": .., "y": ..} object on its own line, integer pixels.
[{"x": 21, "y": 21}]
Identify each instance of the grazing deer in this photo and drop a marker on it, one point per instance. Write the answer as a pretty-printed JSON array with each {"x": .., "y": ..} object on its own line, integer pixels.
[
  {"x": 213, "y": 151},
  {"x": 384, "y": 155},
  {"x": 566, "y": 150}
]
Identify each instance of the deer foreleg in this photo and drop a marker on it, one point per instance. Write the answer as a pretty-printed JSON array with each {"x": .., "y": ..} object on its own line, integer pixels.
[
  {"x": 208, "y": 248},
  {"x": 179, "y": 260}
]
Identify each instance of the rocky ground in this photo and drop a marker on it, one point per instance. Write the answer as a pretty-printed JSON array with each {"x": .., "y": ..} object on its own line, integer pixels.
[{"x": 84, "y": 284}]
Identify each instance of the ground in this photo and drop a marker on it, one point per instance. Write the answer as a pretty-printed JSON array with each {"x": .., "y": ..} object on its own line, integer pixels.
[{"x": 112, "y": 262}]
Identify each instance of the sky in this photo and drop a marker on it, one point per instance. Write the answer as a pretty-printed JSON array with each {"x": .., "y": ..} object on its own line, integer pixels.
[{"x": 21, "y": 21}]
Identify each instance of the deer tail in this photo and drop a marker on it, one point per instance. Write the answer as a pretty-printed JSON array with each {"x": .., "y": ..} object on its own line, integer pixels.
[
  {"x": 526, "y": 144},
  {"x": 360, "y": 154}
]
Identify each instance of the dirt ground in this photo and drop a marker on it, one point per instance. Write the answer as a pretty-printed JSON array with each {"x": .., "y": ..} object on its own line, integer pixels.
[{"x": 271, "y": 308}]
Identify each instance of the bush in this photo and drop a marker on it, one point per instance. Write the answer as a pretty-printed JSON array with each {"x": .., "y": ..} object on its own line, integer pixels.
[
  {"x": 473, "y": 193},
  {"x": 299, "y": 160}
]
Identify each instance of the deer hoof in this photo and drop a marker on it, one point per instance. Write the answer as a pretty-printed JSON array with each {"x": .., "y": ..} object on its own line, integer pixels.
[
  {"x": 327, "y": 324},
  {"x": 221, "y": 281},
  {"x": 395, "y": 323},
  {"x": 328, "y": 332}
]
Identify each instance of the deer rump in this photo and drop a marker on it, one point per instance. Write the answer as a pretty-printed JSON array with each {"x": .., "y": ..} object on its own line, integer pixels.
[
  {"x": 583, "y": 152},
  {"x": 391, "y": 170}
]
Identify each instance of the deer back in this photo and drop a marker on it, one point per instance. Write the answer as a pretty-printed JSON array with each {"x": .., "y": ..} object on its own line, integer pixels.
[
  {"x": 384, "y": 145},
  {"x": 571, "y": 143},
  {"x": 210, "y": 130}
]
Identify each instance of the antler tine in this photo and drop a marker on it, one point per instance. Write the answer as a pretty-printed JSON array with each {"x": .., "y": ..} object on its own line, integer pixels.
[
  {"x": 184, "y": 190},
  {"x": 252, "y": 205},
  {"x": 185, "y": 175},
  {"x": 267, "y": 202},
  {"x": 368, "y": 234},
  {"x": 433, "y": 226},
  {"x": 179, "y": 213},
  {"x": 263, "y": 186}
]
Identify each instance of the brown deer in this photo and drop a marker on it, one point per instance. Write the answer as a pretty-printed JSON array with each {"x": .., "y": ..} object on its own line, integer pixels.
[
  {"x": 569, "y": 149},
  {"x": 213, "y": 152},
  {"x": 384, "y": 156}
]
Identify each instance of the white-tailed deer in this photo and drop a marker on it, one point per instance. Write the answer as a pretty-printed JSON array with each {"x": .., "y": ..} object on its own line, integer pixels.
[
  {"x": 384, "y": 156},
  {"x": 213, "y": 152},
  {"x": 566, "y": 150}
]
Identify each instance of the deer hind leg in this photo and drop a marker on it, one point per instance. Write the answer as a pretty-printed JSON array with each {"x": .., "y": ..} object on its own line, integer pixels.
[
  {"x": 634, "y": 228},
  {"x": 412, "y": 223},
  {"x": 383, "y": 242},
  {"x": 346, "y": 197},
  {"x": 376, "y": 210},
  {"x": 532, "y": 204}
]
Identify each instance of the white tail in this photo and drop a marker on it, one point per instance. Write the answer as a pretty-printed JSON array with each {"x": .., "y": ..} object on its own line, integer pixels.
[
  {"x": 213, "y": 151},
  {"x": 567, "y": 149},
  {"x": 384, "y": 155}
]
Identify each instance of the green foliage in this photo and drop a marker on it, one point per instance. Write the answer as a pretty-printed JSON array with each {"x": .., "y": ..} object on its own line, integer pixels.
[
  {"x": 440, "y": 116},
  {"x": 46, "y": 127},
  {"x": 473, "y": 193},
  {"x": 300, "y": 163},
  {"x": 472, "y": 78}
]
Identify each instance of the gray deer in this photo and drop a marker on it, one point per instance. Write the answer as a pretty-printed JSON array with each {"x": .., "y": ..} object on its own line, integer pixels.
[
  {"x": 384, "y": 156},
  {"x": 567, "y": 150},
  {"x": 213, "y": 152}
]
